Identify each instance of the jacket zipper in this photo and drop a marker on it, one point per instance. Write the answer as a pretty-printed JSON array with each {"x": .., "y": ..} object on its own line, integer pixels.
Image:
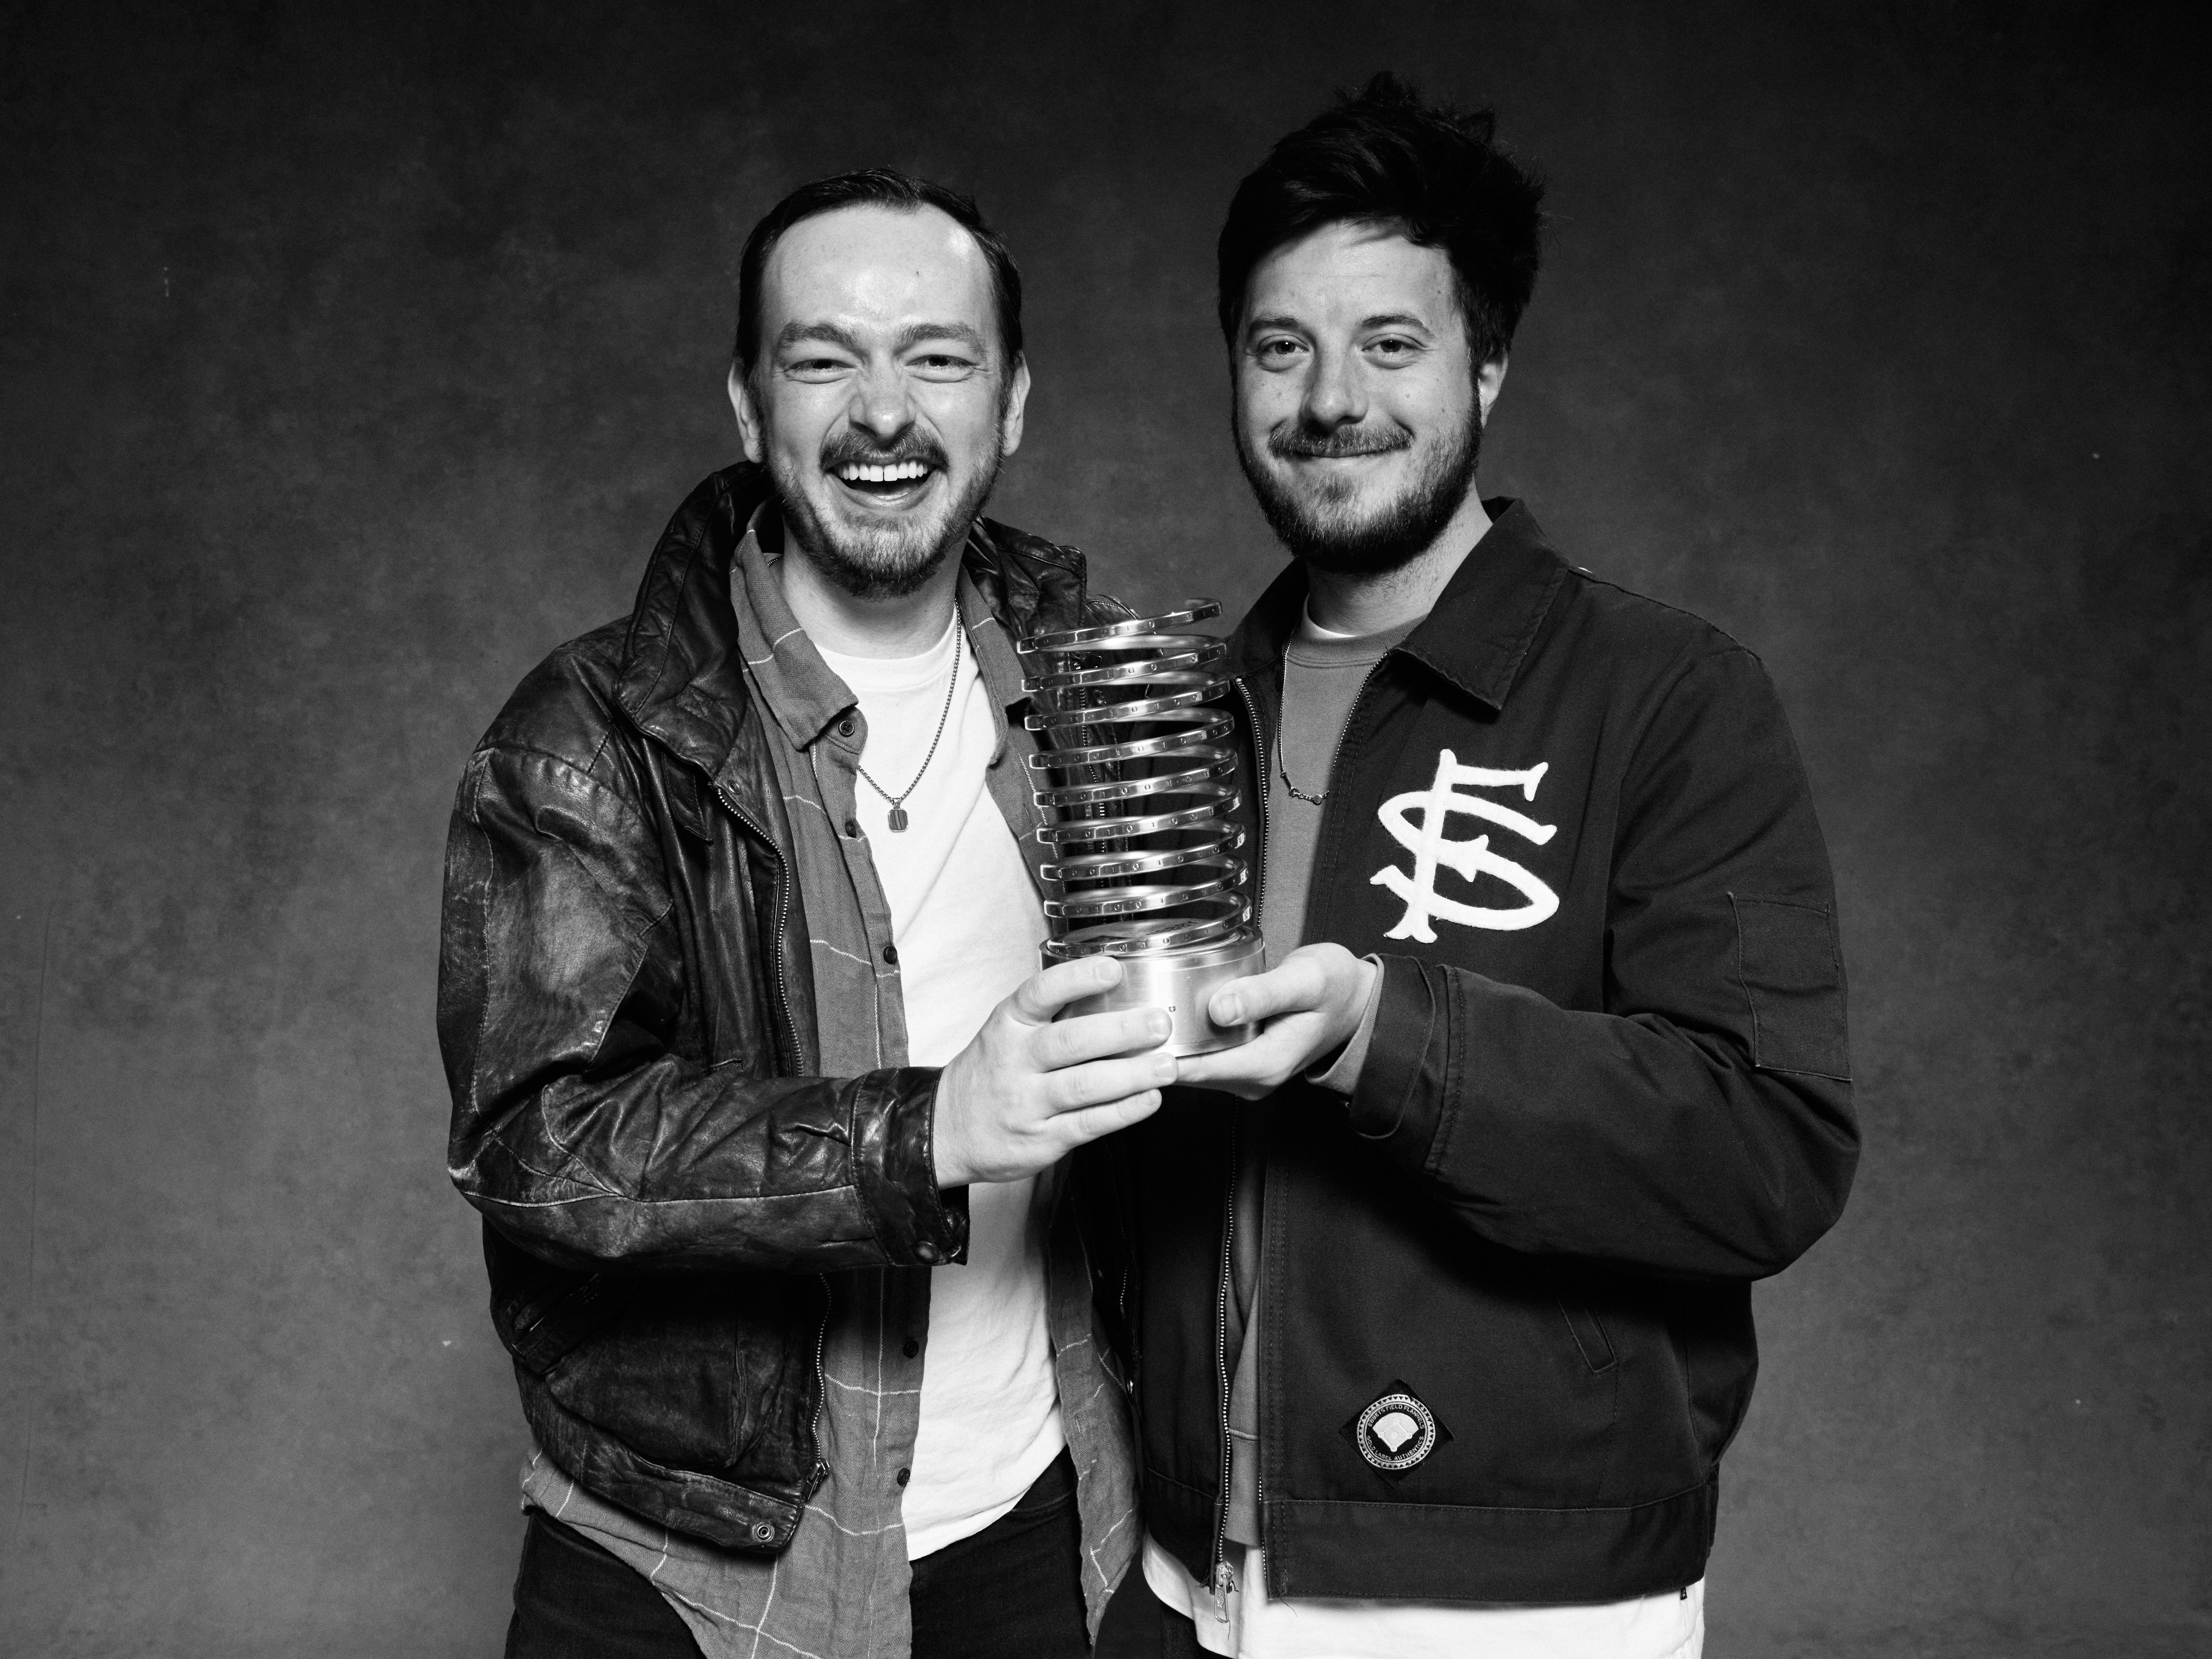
[
  {"x": 1225, "y": 1581},
  {"x": 1266, "y": 777},
  {"x": 821, "y": 1470}
]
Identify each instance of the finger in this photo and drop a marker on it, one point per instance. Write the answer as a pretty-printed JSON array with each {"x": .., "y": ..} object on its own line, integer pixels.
[
  {"x": 1093, "y": 1121},
  {"x": 1043, "y": 994},
  {"x": 1298, "y": 984},
  {"x": 1267, "y": 1062},
  {"x": 1079, "y": 1038},
  {"x": 1244, "y": 1079},
  {"x": 1100, "y": 1080}
]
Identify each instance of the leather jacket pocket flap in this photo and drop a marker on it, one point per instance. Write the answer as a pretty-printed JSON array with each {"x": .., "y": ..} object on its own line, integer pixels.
[{"x": 548, "y": 1340}]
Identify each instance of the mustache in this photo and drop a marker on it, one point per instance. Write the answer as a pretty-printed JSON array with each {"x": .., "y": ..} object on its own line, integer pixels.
[
  {"x": 850, "y": 448},
  {"x": 1337, "y": 443}
]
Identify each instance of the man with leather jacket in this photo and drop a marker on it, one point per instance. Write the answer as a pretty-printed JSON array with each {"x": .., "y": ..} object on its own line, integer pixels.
[
  {"x": 754, "y": 1081},
  {"x": 1443, "y": 1325}
]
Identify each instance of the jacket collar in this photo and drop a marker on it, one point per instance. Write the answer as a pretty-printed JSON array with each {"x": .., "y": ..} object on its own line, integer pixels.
[
  {"x": 801, "y": 692},
  {"x": 1477, "y": 635},
  {"x": 682, "y": 674}
]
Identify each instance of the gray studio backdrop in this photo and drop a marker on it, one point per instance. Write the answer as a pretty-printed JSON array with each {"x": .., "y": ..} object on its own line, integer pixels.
[{"x": 355, "y": 357}]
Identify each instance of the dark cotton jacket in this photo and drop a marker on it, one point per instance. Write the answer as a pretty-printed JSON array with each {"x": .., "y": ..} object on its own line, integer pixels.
[
  {"x": 1607, "y": 1089},
  {"x": 626, "y": 1017}
]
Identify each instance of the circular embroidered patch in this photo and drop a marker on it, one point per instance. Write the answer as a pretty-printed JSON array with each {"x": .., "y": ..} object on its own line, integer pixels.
[{"x": 1395, "y": 1432}]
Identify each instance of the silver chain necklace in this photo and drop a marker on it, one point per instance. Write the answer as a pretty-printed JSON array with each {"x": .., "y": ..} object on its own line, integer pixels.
[
  {"x": 1282, "y": 765},
  {"x": 898, "y": 817},
  {"x": 1282, "y": 761}
]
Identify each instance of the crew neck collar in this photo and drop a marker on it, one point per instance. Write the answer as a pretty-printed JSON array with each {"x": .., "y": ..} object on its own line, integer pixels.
[{"x": 890, "y": 674}]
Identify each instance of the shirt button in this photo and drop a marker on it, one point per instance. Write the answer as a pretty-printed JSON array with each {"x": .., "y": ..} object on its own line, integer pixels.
[
  {"x": 911, "y": 1348},
  {"x": 890, "y": 955},
  {"x": 845, "y": 728},
  {"x": 763, "y": 1533},
  {"x": 902, "y": 1476},
  {"x": 853, "y": 827}
]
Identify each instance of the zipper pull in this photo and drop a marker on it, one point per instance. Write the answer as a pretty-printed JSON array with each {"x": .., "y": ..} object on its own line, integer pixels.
[{"x": 1225, "y": 1586}]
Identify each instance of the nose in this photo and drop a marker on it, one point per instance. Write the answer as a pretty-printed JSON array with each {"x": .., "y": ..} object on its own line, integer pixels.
[
  {"x": 1336, "y": 393},
  {"x": 883, "y": 405}
]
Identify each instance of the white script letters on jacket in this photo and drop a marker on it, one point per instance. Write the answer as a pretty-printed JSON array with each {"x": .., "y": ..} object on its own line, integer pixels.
[{"x": 1472, "y": 857}]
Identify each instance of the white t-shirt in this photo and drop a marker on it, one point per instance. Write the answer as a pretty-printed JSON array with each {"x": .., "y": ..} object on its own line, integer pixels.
[
  {"x": 1668, "y": 1625},
  {"x": 968, "y": 925}
]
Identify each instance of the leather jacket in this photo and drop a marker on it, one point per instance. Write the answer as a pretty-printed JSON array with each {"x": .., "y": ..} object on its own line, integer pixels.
[{"x": 626, "y": 1017}]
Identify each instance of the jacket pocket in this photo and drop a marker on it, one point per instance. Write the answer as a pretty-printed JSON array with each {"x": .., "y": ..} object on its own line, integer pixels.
[
  {"x": 1589, "y": 1337},
  {"x": 547, "y": 1340},
  {"x": 1792, "y": 977},
  {"x": 705, "y": 1372}
]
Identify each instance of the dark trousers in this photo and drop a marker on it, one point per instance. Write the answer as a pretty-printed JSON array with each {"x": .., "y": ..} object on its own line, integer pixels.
[
  {"x": 1137, "y": 1626},
  {"x": 1011, "y": 1591}
]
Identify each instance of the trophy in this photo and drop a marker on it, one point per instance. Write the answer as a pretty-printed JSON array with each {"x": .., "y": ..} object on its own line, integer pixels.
[{"x": 1137, "y": 776}]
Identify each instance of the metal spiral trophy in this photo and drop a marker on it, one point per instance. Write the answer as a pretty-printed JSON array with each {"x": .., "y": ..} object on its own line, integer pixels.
[{"x": 1140, "y": 784}]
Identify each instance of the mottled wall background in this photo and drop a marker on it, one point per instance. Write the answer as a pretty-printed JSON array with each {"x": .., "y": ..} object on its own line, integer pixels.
[{"x": 354, "y": 356}]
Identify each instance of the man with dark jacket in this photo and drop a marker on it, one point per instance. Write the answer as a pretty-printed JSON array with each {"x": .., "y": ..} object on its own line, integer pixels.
[
  {"x": 1444, "y": 1327},
  {"x": 754, "y": 1076}
]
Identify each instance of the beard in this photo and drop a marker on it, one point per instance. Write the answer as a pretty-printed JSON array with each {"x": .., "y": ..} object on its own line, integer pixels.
[
  {"x": 890, "y": 556},
  {"x": 1324, "y": 524}
]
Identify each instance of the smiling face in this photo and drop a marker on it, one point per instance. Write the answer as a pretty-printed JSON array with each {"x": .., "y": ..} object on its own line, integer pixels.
[
  {"x": 882, "y": 404},
  {"x": 1358, "y": 408}
]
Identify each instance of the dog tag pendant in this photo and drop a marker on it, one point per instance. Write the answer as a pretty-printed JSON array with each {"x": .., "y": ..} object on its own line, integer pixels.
[{"x": 898, "y": 819}]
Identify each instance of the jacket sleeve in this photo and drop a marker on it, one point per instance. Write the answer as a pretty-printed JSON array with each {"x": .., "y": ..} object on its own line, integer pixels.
[
  {"x": 1700, "y": 1126},
  {"x": 577, "y": 1129}
]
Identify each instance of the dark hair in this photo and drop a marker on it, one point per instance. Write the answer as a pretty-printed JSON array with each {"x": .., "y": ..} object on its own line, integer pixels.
[
  {"x": 880, "y": 187},
  {"x": 1436, "y": 175}
]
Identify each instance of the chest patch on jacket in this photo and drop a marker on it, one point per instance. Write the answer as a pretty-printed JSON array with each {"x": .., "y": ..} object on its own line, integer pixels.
[
  {"x": 1396, "y": 1430},
  {"x": 1418, "y": 820}
]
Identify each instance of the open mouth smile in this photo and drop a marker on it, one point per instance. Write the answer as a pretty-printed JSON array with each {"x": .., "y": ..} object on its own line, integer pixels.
[{"x": 884, "y": 482}]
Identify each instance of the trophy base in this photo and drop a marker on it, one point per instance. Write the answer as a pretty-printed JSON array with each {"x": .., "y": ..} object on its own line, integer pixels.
[{"x": 1183, "y": 982}]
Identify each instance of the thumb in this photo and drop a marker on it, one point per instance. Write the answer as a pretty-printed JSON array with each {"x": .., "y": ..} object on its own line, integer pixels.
[
  {"x": 1043, "y": 994},
  {"x": 1263, "y": 996}
]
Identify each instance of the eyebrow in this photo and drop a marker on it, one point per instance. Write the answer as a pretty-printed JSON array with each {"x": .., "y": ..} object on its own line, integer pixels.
[
  {"x": 909, "y": 337},
  {"x": 1380, "y": 320}
]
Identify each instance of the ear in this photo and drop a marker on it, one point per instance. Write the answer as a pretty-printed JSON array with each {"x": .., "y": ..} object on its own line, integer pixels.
[
  {"x": 750, "y": 425},
  {"x": 1488, "y": 380},
  {"x": 1010, "y": 419}
]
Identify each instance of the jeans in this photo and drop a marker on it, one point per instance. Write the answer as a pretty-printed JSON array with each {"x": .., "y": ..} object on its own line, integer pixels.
[
  {"x": 1013, "y": 1590},
  {"x": 1010, "y": 1591},
  {"x": 573, "y": 1600}
]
